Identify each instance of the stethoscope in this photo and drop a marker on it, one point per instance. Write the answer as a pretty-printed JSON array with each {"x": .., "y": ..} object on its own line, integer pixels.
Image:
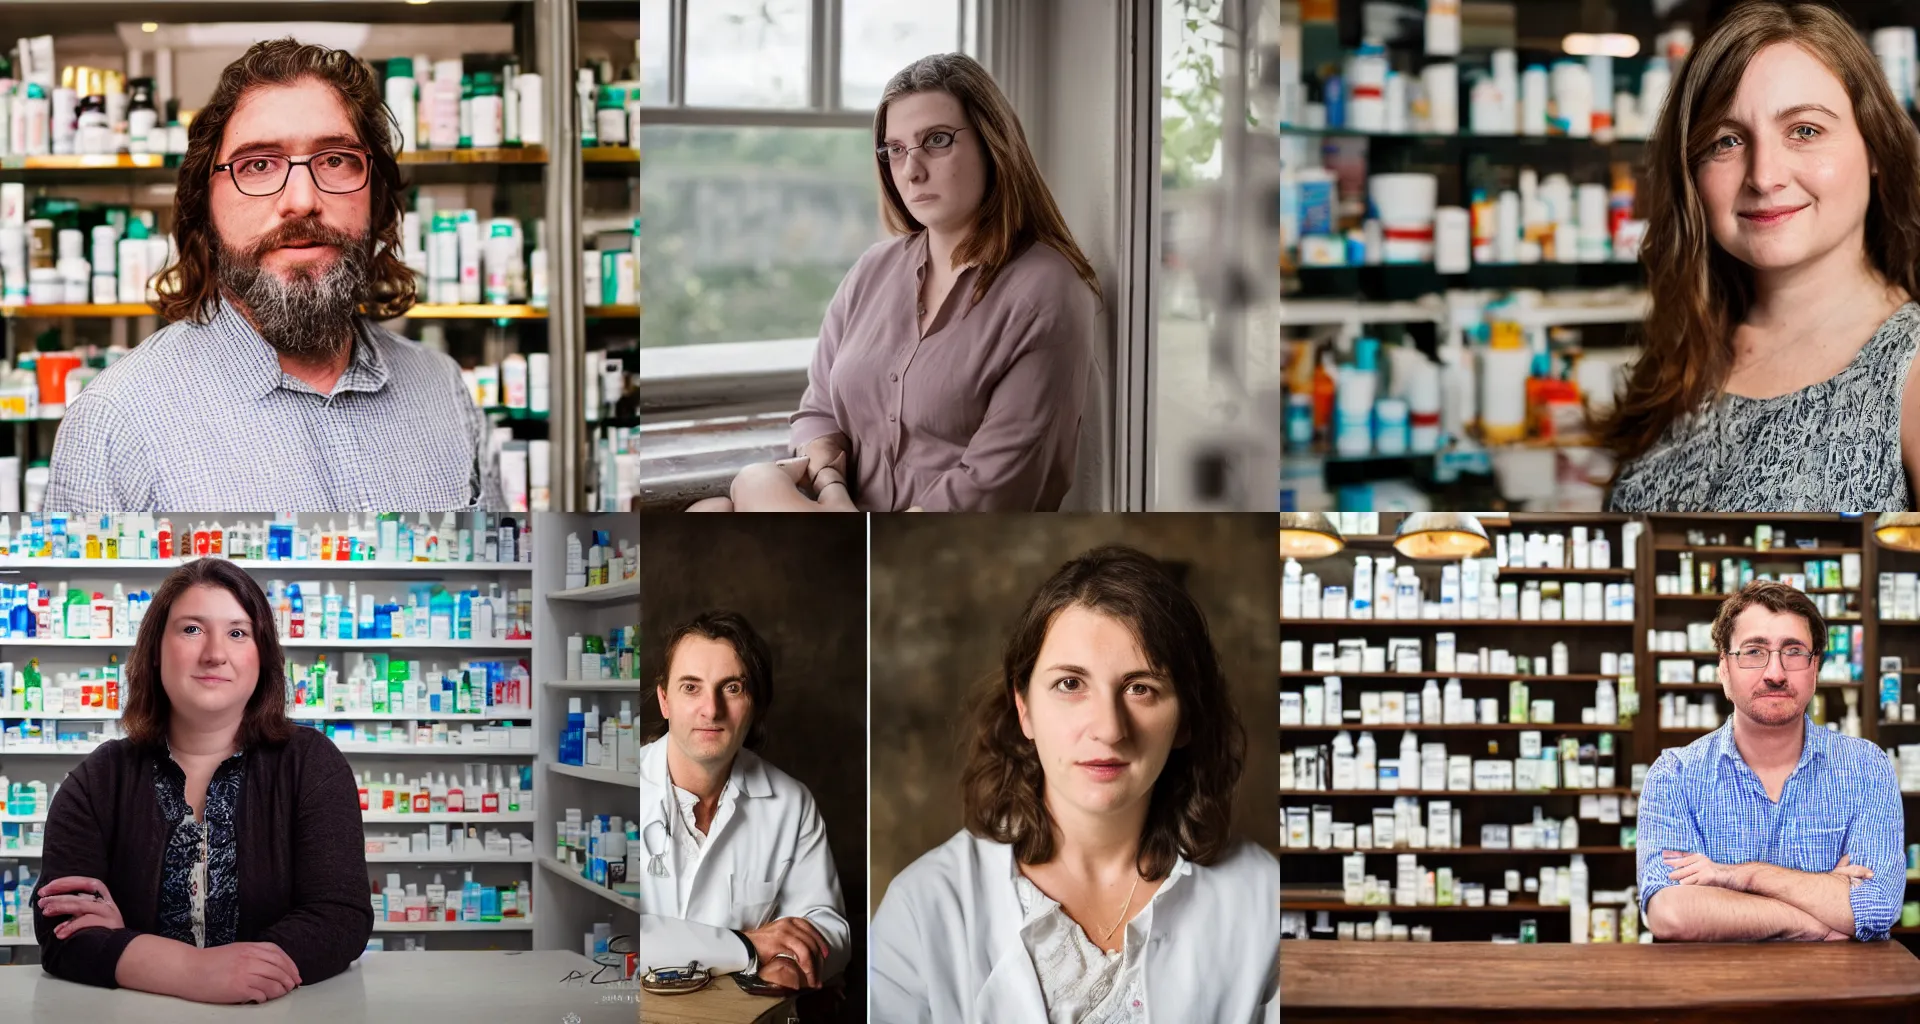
[{"x": 657, "y": 859}]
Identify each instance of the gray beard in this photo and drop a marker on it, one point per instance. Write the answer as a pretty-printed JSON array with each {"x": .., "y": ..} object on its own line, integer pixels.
[{"x": 309, "y": 315}]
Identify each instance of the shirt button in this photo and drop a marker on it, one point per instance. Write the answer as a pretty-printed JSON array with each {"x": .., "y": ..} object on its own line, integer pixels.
[
  {"x": 893, "y": 376},
  {"x": 891, "y": 417}
]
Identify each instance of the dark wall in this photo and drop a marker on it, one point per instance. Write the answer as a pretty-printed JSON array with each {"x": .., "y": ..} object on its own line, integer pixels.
[
  {"x": 947, "y": 589},
  {"x": 802, "y": 582}
]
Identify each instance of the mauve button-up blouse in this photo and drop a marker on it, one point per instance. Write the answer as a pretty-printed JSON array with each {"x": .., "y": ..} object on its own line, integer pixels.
[{"x": 981, "y": 414}]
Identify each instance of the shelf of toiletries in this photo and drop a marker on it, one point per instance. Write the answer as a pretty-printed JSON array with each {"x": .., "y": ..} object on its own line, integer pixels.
[
  {"x": 1470, "y": 677},
  {"x": 395, "y": 818},
  {"x": 1376, "y": 793},
  {"x": 615, "y": 591},
  {"x": 433, "y": 858},
  {"x": 494, "y": 714},
  {"x": 1622, "y": 728},
  {"x": 426, "y": 157},
  {"x": 593, "y": 685},
  {"x": 573, "y": 875},
  {"x": 1457, "y": 622},
  {"x": 278, "y": 565},
  {"x": 366, "y": 645},
  {"x": 422, "y": 311},
  {"x": 521, "y": 924},
  {"x": 1528, "y": 907},
  {"x": 1809, "y": 591},
  {"x": 1502, "y": 851},
  {"x": 1571, "y": 308},
  {"x": 1782, "y": 554},
  {"x": 610, "y": 776},
  {"x": 433, "y": 749},
  {"x": 1600, "y": 142}
]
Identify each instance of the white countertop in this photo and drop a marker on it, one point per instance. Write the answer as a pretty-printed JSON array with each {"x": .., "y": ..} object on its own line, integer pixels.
[{"x": 383, "y": 988}]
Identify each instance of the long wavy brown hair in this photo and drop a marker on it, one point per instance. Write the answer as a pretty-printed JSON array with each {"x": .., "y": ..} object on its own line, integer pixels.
[
  {"x": 147, "y": 710},
  {"x": 1017, "y": 209},
  {"x": 1191, "y": 811},
  {"x": 1699, "y": 293},
  {"x": 190, "y": 288}
]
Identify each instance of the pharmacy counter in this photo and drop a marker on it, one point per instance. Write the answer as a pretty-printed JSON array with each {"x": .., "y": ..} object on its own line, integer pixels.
[
  {"x": 1856, "y": 982},
  {"x": 721, "y": 1002},
  {"x": 538, "y": 987}
]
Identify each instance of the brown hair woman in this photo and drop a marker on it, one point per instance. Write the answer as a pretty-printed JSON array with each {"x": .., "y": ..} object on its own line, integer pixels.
[
  {"x": 1783, "y": 255},
  {"x": 1097, "y": 877},
  {"x": 170, "y": 854},
  {"x": 952, "y": 369}
]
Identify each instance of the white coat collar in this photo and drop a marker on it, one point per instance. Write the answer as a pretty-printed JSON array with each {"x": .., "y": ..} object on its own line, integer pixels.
[{"x": 749, "y": 775}]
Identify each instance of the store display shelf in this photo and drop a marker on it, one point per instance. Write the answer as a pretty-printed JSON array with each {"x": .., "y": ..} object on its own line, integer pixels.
[
  {"x": 476, "y": 311},
  {"x": 48, "y": 751},
  {"x": 1532, "y": 793},
  {"x": 429, "y": 750},
  {"x": 22, "y": 819},
  {"x": 1590, "y": 851},
  {"x": 377, "y": 645},
  {"x": 618, "y": 590},
  {"x": 1723, "y": 597},
  {"x": 424, "y": 311},
  {"x": 442, "y": 857},
  {"x": 1407, "y": 282},
  {"x": 606, "y": 775},
  {"x": 1449, "y": 623},
  {"x": 609, "y": 155},
  {"x": 1572, "y": 309},
  {"x": 499, "y": 714},
  {"x": 1456, "y": 727},
  {"x": 15, "y": 940},
  {"x": 39, "y": 641},
  {"x": 1582, "y": 141},
  {"x": 33, "y": 854},
  {"x": 613, "y": 312},
  {"x": 516, "y": 924},
  {"x": 306, "y": 565},
  {"x": 503, "y": 155},
  {"x": 1618, "y": 574},
  {"x": 98, "y": 715},
  {"x": 1785, "y": 554},
  {"x": 593, "y": 685},
  {"x": 475, "y": 818},
  {"x": 1468, "y": 677},
  {"x": 1395, "y": 908},
  {"x": 63, "y": 310},
  {"x": 84, "y": 162},
  {"x": 630, "y": 902}
]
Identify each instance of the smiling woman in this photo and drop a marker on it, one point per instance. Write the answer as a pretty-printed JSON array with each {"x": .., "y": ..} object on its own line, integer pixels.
[
  {"x": 1783, "y": 258},
  {"x": 170, "y": 854}
]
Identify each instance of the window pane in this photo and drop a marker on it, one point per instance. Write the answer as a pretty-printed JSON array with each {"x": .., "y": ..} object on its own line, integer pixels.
[
  {"x": 879, "y": 37},
  {"x": 749, "y": 230},
  {"x": 747, "y": 53},
  {"x": 656, "y": 47}
]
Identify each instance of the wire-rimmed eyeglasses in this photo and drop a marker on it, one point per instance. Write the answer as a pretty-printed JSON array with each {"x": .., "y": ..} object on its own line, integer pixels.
[
  {"x": 938, "y": 143},
  {"x": 1793, "y": 659},
  {"x": 338, "y": 171}
]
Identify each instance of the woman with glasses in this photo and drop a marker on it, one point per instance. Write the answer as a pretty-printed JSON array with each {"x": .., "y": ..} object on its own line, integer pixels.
[
  {"x": 1098, "y": 879},
  {"x": 952, "y": 372}
]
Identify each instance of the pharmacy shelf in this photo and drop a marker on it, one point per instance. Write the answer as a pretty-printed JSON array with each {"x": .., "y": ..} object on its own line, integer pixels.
[
  {"x": 475, "y": 818},
  {"x": 36, "y": 641},
  {"x": 619, "y": 590},
  {"x": 1617, "y": 574},
  {"x": 1530, "y": 793},
  {"x": 85, "y": 309},
  {"x": 607, "y": 775},
  {"x": 429, "y": 311},
  {"x": 517, "y": 924},
  {"x": 1449, "y": 623},
  {"x": 594, "y": 685},
  {"x": 423, "y": 311},
  {"x": 1468, "y": 677},
  {"x": 613, "y": 312},
  {"x": 378, "y": 645},
  {"x": 288, "y": 566},
  {"x": 428, "y": 750},
  {"x": 1784, "y": 554},
  {"x": 42, "y": 752},
  {"x": 496, "y": 715},
  {"x": 438, "y": 858},
  {"x": 15, "y": 940},
  {"x": 503, "y": 155},
  {"x": 630, "y": 902},
  {"x": 609, "y": 155},
  {"x": 79, "y": 162},
  {"x": 1396, "y": 908},
  {"x": 33, "y": 854},
  {"x": 1589, "y": 851},
  {"x": 61, "y": 716},
  {"x": 1715, "y": 687},
  {"x": 1624, "y": 729},
  {"x": 22, "y": 819}
]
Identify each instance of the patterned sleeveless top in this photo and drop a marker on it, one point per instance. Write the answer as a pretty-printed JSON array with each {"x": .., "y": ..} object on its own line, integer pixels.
[{"x": 1829, "y": 447}]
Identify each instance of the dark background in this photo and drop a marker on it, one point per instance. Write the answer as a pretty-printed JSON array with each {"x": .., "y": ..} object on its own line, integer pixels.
[
  {"x": 802, "y": 582},
  {"x": 947, "y": 589}
]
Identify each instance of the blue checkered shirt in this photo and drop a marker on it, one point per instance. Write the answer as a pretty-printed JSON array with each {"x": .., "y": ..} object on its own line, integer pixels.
[
  {"x": 202, "y": 417},
  {"x": 1842, "y": 798}
]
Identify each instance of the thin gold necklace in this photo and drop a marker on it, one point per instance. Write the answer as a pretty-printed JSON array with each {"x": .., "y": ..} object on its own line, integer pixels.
[{"x": 1123, "y": 909}]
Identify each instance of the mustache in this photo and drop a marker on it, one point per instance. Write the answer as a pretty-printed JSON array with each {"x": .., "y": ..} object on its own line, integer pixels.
[{"x": 303, "y": 231}]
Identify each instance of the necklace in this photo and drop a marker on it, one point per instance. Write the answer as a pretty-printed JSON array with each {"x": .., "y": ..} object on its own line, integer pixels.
[{"x": 1123, "y": 909}]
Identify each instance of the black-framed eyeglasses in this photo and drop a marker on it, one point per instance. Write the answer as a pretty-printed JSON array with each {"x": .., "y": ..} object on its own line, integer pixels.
[
  {"x": 1793, "y": 659},
  {"x": 937, "y": 144},
  {"x": 338, "y": 171}
]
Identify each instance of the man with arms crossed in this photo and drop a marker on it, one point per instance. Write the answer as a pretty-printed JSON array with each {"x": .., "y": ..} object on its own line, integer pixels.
[
  {"x": 1771, "y": 827},
  {"x": 738, "y": 877}
]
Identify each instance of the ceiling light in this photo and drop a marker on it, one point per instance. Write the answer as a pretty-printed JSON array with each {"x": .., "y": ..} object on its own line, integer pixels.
[
  {"x": 1308, "y": 535},
  {"x": 1438, "y": 535}
]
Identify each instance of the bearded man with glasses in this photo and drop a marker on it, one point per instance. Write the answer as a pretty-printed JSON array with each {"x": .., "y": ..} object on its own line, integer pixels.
[
  {"x": 275, "y": 386},
  {"x": 1771, "y": 827}
]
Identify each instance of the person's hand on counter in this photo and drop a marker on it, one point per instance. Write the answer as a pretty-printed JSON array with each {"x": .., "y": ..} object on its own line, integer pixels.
[
  {"x": 795, "y": 940},
  {"x": 242, "y": 972},
  {"x": 86, "y": 899},
  {"x": 783, "y": 971}
]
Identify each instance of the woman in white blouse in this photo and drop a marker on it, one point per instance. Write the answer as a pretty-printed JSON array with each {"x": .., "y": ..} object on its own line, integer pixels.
[{"x": 1097, "y": 879}]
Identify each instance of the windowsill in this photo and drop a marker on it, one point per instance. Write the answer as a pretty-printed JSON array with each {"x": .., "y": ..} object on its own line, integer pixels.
[
  {"x": 686, "y": 460},
  {"x": 724, "y": 376}
]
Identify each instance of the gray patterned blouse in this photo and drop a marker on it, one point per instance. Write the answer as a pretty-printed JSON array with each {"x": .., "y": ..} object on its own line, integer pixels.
[{"x": 1829, "y": 447}]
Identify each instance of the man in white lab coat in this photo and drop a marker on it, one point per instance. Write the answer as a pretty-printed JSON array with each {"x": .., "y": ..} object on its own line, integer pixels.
[{"x": 738, "y": 876}]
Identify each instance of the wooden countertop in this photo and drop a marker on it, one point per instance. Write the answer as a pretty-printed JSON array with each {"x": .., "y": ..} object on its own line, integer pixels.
[
  {"x": 1720, "y": 982},
  {"x": 721, "y": 1002}
]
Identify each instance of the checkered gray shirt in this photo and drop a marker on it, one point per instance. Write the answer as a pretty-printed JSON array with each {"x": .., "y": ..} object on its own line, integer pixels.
[{"x": 202, "y": 417}]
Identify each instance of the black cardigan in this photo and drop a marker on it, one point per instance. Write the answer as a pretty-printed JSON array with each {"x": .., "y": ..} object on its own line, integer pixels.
[{"x": 302, "y": 856}]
